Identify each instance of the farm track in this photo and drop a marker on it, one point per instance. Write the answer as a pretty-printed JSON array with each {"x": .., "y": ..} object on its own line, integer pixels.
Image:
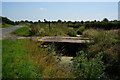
[{"x": 5, "y": 32}]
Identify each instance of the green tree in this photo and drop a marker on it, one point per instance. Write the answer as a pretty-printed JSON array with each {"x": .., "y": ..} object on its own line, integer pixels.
[{"x": 105, "y": 20}]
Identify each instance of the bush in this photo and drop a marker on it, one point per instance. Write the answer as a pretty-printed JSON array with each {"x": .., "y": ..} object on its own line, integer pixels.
[
  {"x": 89, "y": 33},
  {"x": 88, "y": 68},
  {"x": 102, "y": 42},
  {"x": 80, "y": 30},
  {"x": 72, "y": 32},
  {"x": 35, "y": 29},
  {"x": 43, "y": 29},
  {"x": 107, "y": 43}
]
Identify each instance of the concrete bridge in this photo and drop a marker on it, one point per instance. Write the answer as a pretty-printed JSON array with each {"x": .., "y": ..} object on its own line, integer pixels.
[{"x": 64, "y": 39}]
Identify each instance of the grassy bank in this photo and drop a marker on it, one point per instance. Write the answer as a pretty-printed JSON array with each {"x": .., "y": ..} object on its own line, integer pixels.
[
  {"x": 16, "y": 63},
  {"x": 24, "y": 31},
  {"x": 24, "y": 59},
  {"x": 6, "y": 25}
]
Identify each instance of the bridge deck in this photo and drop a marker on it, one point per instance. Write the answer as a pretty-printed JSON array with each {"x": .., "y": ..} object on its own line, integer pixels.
[{"x": 64, "y": 39}]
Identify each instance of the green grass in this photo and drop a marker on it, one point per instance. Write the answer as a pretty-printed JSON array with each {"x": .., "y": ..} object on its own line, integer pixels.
[
  {"x": 24, "y": 31},
  {"x": 7, "y": 25},
  {"x": 24, "y": 59},
  {"x": 16, "y": 63}
]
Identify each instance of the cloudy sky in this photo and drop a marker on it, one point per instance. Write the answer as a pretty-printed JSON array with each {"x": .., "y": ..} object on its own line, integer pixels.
[{"x": 75, "y": 11}]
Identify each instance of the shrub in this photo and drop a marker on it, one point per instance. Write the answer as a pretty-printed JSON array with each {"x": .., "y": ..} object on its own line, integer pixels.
[
  {"x": 43, "y": 29},
  {"x": 88, "y": 68},
  {"x": 106, "y": 43},
  {"x": 80, "y": 30},
  {"x": 89, "y": 33},
  {"x": 102, "y": 42},
  {"x": 34, "y": 29},
  {"x": 72, "y": 32}
]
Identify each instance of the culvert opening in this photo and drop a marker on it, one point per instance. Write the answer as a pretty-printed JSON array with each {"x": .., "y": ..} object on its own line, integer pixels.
[{"x": 69, "y": 49}]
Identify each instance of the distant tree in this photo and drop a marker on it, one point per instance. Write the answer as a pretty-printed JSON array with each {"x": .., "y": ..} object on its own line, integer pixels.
[
  {"x": 22, "y": 21},
  {"x": 59, "y": 21},
  {"x": 64, "y": 21},
  {"x": 26, "y": 21},
  {"x": 53, "y": 22},
  {"x": 30, "y": 22},
  {"x": 74, "y": 23},
  {"x": 7, "y": 21},
  {"x": 69, "y": 22},
  {"x": 45, "y": 20},
  {"x": 17, "y": 22},
  {"x": 39, "y": 21},
  {"x": 95, "y": 21},
  {"x": 87, "y": 21},
  {"x": 105, "y": 20},
  {"x": 82, "y": 22}
]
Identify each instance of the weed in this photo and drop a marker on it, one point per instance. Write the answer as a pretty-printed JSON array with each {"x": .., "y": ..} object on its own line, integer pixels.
[{"x": 88, "y": 68}]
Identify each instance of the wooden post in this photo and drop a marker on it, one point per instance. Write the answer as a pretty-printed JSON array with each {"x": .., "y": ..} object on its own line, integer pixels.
[{"x": 49, "y": 24}]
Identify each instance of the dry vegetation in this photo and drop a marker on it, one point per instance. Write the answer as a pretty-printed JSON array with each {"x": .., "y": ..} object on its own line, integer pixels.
[{"x": 48, "y": 60}]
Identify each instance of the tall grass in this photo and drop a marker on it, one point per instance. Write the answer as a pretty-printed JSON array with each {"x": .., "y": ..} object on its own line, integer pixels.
[
  {"x": 107, "y": 44},
  {"x": 43, "y": 29},
  {"x": 48, "y": 60},
  {"x": 25, "y": 59},
  {"x": 16, "y": 63}
]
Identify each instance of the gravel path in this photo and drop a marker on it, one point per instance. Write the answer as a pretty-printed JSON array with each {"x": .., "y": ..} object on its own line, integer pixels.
[{"x": 5, "y": 32}]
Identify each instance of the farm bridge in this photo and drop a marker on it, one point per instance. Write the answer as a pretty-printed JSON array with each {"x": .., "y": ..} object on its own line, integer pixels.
[
  {"x": 64, "y": 39},
  {"x": 68, "y": 46}
]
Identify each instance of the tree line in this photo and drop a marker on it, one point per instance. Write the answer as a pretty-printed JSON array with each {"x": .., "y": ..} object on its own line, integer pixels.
[{"x": 104, "y": 24}]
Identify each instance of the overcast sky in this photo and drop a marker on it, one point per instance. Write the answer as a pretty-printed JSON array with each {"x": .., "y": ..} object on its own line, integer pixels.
[{"x": 75, "y": 11}]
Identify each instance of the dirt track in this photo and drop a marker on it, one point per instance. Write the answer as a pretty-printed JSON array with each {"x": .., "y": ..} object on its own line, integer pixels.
[{"x": 5, "y": 32}]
